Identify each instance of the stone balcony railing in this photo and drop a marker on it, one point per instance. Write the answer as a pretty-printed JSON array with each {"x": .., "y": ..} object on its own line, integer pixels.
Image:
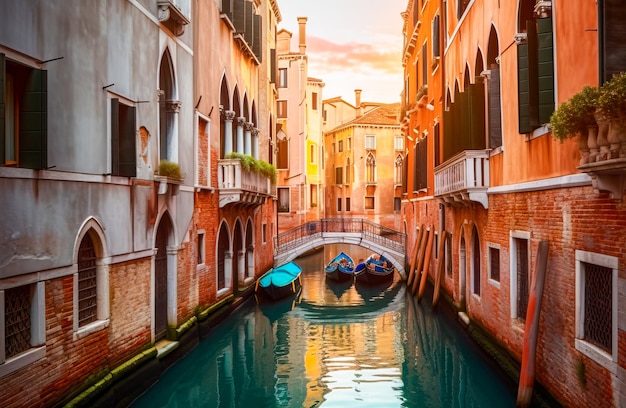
[
  {"x": 464, "y": 178},
  {"x": 237, "y": 185}
]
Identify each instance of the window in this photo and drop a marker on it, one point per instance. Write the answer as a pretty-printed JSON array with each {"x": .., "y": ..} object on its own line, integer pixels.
[
  {"x": 347, "y": 203},
  {"x": 397, "y": 173},
  {"x": 332, "y": 148},
  {"x": 23, "y": 116},
  {"x": 398, "y": 143},
  {"x": 425, "y": 70},
  {"x": 203, "y": 152},
  {"x": 461, "y": 5},
  {"x": 420, "y": 168},
  {"x": 535, "y": 69},
  {"x": 312, "y": 158},
  {"x": 370, "y": 142},
  {"x": 520, "y": 276},
  {"x": 264, "y": 233},
  {"x": 339, "y": 204},
  {"x": 348, "y": 171},
  {"x": 281, "y": 109},
  {"x": 201, "y": 253},
  {"x": 596, "y": 307},
  {"x": 494, "y": 264},
  {"x": 338, "y": 175},
  {"x": 324, "y": 115},
  {"x": 397, "y": 204},
  {"x": 448, "y": 255},
  {"x": 349, "y": 143},
  {"x": 282, "y": 77},
  {"x": 369, "y": 203},
  {"x": 435, "y": 31},
  {"x": 22, "y": 317},
  {"x": 313, "y": 194},
  {"x": 340, "y": 145},
  {"x": 282, "y": 157},
  {"x": 314, "y": 100},
  {"x": 370, "y": 167},
  {"x": 475, "y": 266},
  {"x": 91, "y": 283},
  {"x": 123, "y": 139},
  {"x": 283, "y": 199}
]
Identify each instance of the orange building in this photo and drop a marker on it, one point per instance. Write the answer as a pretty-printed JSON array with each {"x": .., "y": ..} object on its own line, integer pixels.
[
  {"x": 363, "y": 160},
  {"x": 482, "y": 79}
]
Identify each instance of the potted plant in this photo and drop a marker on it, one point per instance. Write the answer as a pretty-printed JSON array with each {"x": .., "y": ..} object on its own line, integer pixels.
[
  {"x": 169, "y": 173},
  {"x": 576, "y": 115},
  {"x": 249, "y": 163},
  {"x": 612, "y": 105}
]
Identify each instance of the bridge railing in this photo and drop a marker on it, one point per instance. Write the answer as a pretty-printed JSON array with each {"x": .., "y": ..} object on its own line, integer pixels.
[{"x": 376, "y": 233}]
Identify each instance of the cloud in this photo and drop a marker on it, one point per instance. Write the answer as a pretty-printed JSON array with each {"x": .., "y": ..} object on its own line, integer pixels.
[{"x": 327, "y": 56}]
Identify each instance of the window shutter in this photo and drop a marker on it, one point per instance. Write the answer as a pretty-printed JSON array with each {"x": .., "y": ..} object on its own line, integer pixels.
[
  {"x": 612, "y": 44},
  {"x": 522, "y": 88},
  {"x": 425, "y": 69},
  {"x": 115, "y": 136},
  {"x": 436, "y": 137},
  {"x": 495, "y": 121},
  {"x": 423, "y": 163},
  {"x": 33, "y": 143},
  {"x": 128, "y": 141},
  {"x": 273, "y": 69},
  {"x": 545, "y": 70},
  {"x": 405, "y": 174},
  {"x": 2, "y": 108},
  {"x": 257, "y": 47},
  {"x": 436, "y": 52},
  {"x": 463, "y": 136},
  {"x": 477, "y": 116},
  {"x": 239, "y": 15},
  {"x": 533, "y": 75},
  {"x": 448, "y": 133},
  {"x": 248, "y": 33}
]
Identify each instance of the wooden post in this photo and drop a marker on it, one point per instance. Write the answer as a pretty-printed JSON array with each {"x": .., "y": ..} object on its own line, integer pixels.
[
  {"x": 420, "y": 260},
  {"x": 440, "y": 267},
  {"x": 414, "y": 255},
  {"x": 531, "y": 330},
  {"x": 429, "y": 250}
]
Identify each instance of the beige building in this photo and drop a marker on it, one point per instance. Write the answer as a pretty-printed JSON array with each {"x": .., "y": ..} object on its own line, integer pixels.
[
  {"x": 298, "y": 138},
  {"x": 363, "y": 160}
]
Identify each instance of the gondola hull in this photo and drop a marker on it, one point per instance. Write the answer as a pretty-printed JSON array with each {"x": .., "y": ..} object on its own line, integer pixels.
[
  {"x": 340, "y": 268},
  {"x": 280, "y": 282}
]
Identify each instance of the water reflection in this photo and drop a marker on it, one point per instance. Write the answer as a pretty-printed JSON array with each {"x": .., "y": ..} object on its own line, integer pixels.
[{"x": 346, "y": 346}]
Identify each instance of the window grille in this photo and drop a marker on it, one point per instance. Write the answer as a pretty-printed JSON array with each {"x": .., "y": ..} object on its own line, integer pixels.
[
  {"x": 598, "y": 309},
  {"x": 522, "y": 277},
  {"x": 17, "y": 320},
  {"x": 87, "y": 293}
]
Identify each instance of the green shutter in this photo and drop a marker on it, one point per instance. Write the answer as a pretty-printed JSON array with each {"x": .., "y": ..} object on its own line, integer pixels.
[
  {"x": 545, "y": 69},
  {"x": 239, "y": 15},
  {"x": 127, "y": 141},
  {"x": 33, "y": 134},
  {"x": 3, "y": 71},
  {"x": 522, "y": 88},
  {"x": 612, "y": 24},
  {"x": 115, "y": 136},
  {"x": 257, "y": 47},
  {"x": 533, "y": 75},
  {"x": 248, "y": 31},
  {"x": 477, "y": 116},
  {"x": 495, "y": 120}
]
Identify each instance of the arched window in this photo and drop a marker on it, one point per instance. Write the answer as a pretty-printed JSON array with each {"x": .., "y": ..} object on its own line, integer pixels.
[
  {"x": 87, "y": 282},
  {"x": 397, "y": 174},
  {"x": 168, "y": 110},
  {"x": 370, "y": 165}
]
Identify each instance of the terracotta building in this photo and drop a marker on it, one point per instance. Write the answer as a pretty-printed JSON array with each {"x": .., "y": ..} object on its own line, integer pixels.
[
  {"x": 482, "y": 79},
  {"x": 364, "y": 149}
]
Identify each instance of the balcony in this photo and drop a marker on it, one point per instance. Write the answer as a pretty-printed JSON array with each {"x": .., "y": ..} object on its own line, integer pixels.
[
  {"x": 240, "y": 186},
  {"x": 464, "y": 178}
]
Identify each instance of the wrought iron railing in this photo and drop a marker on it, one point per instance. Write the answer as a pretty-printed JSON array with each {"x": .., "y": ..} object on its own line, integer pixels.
[{"x": 371, "y": 231}]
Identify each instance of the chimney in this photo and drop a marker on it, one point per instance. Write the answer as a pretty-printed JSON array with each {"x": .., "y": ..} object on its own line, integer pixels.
[
  {"x": 302, "y": 34},
  {"x": 357, "y": 95}
]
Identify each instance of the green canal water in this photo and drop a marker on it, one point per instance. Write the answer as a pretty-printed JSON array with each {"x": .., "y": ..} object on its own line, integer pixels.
[{"x": 335, "y": 346}]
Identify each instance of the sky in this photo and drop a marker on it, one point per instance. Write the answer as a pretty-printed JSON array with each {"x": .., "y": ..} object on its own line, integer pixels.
[{"x": 351, "y": 44}]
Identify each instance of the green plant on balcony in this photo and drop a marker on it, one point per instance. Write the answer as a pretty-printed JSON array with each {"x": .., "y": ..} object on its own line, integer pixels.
[
  {"x": 576, "y": 115},
  {"x": 170, "y": 170},
  {"x": 249, "y": 163},
  {"x": 612, "y": 99}
]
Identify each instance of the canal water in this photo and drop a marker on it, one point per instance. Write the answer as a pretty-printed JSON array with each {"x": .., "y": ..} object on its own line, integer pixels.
[{"x": 335, "y": 346}]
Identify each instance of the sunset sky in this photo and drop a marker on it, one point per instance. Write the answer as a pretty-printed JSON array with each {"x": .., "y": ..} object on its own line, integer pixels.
[{"x": 351, "y": 44}]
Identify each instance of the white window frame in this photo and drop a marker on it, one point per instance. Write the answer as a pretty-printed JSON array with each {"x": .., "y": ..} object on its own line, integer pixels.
[
  {"x": 102, "y": 283},
  {"x": 208, "y": 152},
  {"x": 513, "y": 267},
  {"x": 202, "y": 249},
  {"x": 37, "y": 328},
  {"x": 283, "y": 79},
  {"x": 399, "y": 143},
  {"x": 606, "y": 360},
  {"x": 370, "y": 142}
]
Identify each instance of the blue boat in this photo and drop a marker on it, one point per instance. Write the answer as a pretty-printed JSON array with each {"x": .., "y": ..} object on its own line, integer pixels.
[
  {"x": 340, "y": 268},
  {"x": 280, "y": 282},
  {"x": 378, "y": 269}
]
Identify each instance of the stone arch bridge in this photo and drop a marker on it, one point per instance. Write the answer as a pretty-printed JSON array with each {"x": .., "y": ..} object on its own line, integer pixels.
[{"x": 356, "y": 231}]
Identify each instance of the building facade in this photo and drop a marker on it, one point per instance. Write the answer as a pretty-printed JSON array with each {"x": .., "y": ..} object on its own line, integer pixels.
[
  {"x": 362, "y": 144},
  {"x": 483, "y": 79},
  {"x": 130, "y": 217},
  {"x": 298, "y": 138}
]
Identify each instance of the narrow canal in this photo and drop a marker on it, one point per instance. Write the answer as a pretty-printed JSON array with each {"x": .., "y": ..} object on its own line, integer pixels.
[{"x": 336, "y": 346}]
